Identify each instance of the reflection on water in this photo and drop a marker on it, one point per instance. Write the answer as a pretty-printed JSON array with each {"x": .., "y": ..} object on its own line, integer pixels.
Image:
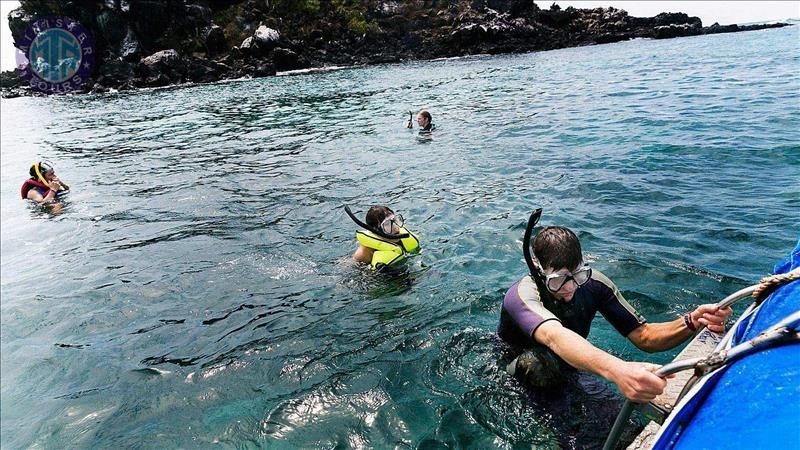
[{"x": 196, "y": 288}]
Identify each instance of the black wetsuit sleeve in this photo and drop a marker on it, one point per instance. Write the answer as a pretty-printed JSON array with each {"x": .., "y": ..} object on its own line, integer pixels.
[{"x": 613, "y": 306}]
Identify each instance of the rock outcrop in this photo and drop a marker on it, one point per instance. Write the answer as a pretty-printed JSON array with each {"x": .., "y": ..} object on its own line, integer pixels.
[{"x": 142, "y": 43}]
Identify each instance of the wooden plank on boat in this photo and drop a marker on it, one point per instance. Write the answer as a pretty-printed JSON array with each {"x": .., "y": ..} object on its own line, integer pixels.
[
  {"x": 703, "y": 344},
  {"x": 645, "y": 439}
]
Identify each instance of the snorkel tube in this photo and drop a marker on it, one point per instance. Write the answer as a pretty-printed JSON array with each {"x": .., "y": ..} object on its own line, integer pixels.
[
  {"x": 39, "y": 176},
  {"x": 536, "y": 274},
  {"x": 377, "y": 232}
]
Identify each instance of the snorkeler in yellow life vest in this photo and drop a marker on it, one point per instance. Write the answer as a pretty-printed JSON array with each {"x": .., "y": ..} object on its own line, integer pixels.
[{"x": 383, "y": 241}]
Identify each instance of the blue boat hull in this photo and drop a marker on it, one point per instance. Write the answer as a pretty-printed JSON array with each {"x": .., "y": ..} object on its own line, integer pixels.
[{"x": 753, "y": 402}]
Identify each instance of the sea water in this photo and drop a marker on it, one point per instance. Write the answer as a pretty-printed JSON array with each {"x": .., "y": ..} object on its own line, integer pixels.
[{"x": 195, "y": 289}]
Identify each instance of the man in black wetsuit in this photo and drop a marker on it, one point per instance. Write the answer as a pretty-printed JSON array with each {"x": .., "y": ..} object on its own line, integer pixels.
[{"x": 550, "y": 317}]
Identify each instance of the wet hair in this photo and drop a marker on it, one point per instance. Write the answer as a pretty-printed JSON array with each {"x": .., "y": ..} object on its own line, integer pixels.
[
  {"x": 557, "y": 247},
  {"x": 377, "y": 214},
  {"x": 426, "y": 115}
]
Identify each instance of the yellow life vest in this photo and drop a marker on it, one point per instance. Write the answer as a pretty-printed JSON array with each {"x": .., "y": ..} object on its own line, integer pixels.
[{"x": 385, "y": 252}]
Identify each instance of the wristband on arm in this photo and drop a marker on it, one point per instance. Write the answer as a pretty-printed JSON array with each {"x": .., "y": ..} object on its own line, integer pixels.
[{"x": 687, "y": 319}]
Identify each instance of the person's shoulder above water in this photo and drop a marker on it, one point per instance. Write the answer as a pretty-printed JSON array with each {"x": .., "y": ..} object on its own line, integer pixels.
[{"x": 43, "y": 186}]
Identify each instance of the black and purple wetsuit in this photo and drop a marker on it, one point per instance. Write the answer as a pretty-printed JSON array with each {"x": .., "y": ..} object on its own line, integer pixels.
[{"x": 524, "y": 310}]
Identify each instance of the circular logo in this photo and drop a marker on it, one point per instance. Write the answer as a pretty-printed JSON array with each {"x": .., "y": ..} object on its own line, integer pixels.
[{"x": 57, "y": 55}]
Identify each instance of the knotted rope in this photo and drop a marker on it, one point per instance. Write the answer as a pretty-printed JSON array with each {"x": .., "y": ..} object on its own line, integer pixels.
[{"x": 767, "y": 285}]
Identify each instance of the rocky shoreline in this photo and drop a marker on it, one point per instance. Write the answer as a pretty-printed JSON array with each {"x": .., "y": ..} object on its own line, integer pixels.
[{"x": 152, "y": 43}]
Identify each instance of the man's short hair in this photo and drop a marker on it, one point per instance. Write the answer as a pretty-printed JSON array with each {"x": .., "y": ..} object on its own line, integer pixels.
[
  {"x": 426, "y": 115},
  {"x": 377, "y": 214},
  {"x": 557, "y": 247}
]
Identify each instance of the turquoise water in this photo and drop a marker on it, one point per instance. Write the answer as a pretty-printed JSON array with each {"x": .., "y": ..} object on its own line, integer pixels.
[{"x": 195, "y": 289}]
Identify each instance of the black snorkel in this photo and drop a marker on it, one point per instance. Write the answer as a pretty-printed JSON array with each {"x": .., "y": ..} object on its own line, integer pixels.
[
  {"x": 536, "y": 273},
  {"x": 375, "y": 231}
]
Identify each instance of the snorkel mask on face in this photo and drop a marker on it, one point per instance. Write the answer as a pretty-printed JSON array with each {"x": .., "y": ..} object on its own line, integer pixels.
[
  {"x": 381, "y": 230},
  {"x": 555, "y": 281}
]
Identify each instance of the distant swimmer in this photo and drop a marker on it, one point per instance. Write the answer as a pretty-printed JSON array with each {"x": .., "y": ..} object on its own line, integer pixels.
[
  {"x": 548, "y": 314},
  {"x": 383, "y": 240},
  {"x": 424, "y": 120},
  {"x": 43, "y": 186}
]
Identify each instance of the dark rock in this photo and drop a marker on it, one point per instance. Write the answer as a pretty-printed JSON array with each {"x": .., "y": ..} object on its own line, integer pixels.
[
  {"x": 114, "y": 73},
  {"x": 263, "y": 70},
  {"x": 215, "y": 40},
  {"x": 316, "y": 34},
  {"x": 98, "y": 88},
  {"x": 130, "y": 50},
  {"x": 671, "y": 31},
  {"x": 607, "y": 38},
  {"x": 514, "y": 7},
  {"x": 162, "y": 68},
  {"x": 665, "y": 19},
  {"x": 266, "y": 38},
  {"x": 111, "y": 26},
  {"x": 10, "y": 79},
  {"x": 198, "y": 13},
  {"x": 717, "y": 28},
  {"x": 290, "y": 35},
  {"x": 149, "y": 19},
  {"x": 201, "y": 70},
  {"x": 390, "y": 8},
  {"x": 248, "y": 45},
  {"x": 285, "y": 59},
  {"x": 159, "y": 80},
  {"x": 164, "y": 58},
  {"x": 18, "y": 22}
]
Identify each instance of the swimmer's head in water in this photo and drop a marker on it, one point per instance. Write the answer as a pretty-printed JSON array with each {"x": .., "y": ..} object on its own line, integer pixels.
[
  {"x": 384, "y": 219},
  {"x": 424, "y": 118},
  {"x": 377, "y": 214},
  {"x": 41, "y": 169}
]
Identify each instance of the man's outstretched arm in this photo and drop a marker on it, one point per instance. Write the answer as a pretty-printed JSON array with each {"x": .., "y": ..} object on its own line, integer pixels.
[
  {"x": 635, "y": 380},
  {"x": 656, "y": 337}
]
